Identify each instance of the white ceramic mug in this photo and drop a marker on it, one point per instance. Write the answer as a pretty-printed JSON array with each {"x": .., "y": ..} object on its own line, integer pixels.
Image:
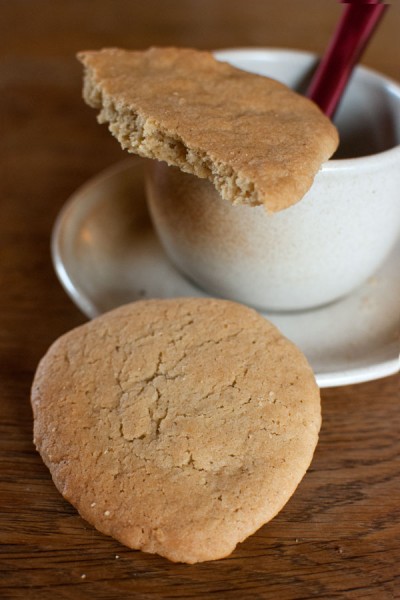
[{"x": 321, "y": 248}]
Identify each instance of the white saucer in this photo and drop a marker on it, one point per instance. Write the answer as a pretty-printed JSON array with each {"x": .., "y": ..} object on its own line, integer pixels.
[{"x": 106, "y": 253}]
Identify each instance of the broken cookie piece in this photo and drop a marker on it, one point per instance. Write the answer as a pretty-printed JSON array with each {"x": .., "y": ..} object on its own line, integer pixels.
[{"x": 256, "y": 140}]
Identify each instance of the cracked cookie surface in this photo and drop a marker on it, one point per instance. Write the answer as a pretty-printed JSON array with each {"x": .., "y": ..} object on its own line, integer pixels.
[{"x": 176, "y": 426}]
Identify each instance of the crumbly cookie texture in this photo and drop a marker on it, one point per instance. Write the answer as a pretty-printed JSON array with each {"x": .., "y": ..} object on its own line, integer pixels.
[
  {"x": 179, "y": 427},
  {"x": 254, "y": 138}
]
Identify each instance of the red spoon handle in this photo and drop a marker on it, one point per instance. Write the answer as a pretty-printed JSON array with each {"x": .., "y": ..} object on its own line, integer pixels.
[{"x": 349, "y": 41}]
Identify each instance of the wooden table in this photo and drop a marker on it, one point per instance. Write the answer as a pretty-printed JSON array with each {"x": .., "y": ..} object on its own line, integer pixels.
[{"x": 338, "y": 537}]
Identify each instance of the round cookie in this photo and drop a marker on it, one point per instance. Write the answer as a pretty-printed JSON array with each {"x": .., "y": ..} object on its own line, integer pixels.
[{"x": 176, "y": 426}]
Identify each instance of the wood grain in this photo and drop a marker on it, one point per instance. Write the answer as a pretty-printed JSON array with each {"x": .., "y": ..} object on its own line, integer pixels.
[{"x": 339, "y": 536}]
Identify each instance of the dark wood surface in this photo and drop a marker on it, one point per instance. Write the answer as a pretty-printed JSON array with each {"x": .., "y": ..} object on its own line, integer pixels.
[{"x": 339, "y": 536}]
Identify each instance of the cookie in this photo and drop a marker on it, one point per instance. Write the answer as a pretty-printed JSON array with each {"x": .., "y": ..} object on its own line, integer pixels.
[
  {"x": 178, "y": 427},
  {"x": 255, "y": 139}
]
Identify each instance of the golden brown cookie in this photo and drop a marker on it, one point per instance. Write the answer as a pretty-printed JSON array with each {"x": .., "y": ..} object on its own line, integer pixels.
[
  {"x": 177, "y": 426},
  {"x": 254, "y": 138}
]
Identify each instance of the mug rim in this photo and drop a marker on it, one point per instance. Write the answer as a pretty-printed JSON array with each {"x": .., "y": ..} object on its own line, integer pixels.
[{"x": 389, "y": 155}]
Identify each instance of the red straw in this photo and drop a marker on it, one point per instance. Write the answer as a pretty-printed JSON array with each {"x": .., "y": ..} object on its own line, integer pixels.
[{"x": 355, "y": 28}]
